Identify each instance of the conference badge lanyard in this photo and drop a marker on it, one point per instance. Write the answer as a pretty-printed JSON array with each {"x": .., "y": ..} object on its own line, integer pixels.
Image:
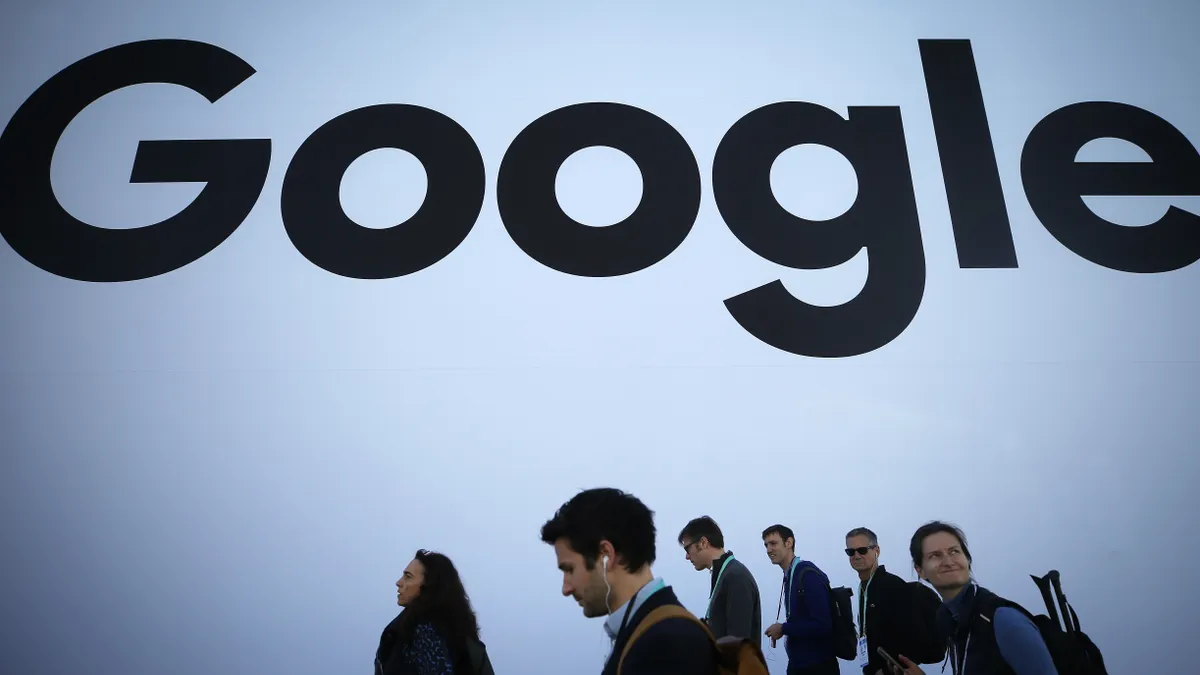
[
  {"x": 720, "y": 573},
  {"x": 961, "y": 662},
  {"x": 864, "y": 656},
  {"x": 783, "y": 593}
]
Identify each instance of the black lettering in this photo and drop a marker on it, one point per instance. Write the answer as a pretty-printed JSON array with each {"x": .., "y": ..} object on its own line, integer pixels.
[
  {"x": 534, "y": 219},
  {"x": 883, "y": 218},
  {"x": 1055, "y": 184},
  {"x": 323, "y": 233},
  {"x": 978, "y": 213},
  {"x": 41, "y": 231}
]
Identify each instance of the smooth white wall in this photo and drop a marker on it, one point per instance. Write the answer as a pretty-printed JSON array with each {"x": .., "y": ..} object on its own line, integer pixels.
[{"x": 223, "y": 469}]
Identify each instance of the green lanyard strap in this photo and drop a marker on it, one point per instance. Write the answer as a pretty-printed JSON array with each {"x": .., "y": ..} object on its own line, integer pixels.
[
  {"x": 862, "y": 607},
  {"x": 787, "y": 591},
  {"x": 708, "y": 610}
]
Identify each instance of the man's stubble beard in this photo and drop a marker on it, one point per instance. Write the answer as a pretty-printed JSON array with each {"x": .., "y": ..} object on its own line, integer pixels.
[{"x": 595, "y": 598}]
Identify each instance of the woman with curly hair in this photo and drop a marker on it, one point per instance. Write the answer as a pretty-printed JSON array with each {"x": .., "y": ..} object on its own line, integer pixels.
[{"x": 436, "y": 633}]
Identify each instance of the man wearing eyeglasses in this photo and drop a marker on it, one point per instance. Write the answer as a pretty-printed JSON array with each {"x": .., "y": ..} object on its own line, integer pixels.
[
  {"x": 892, "y": 613},
  {"x": 734, "y": 604}
]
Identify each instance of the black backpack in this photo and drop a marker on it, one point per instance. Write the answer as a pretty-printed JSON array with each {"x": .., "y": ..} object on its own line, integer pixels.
[
  {"x": 1072, "y": 650},
  {"x": 845, "y": 635}
]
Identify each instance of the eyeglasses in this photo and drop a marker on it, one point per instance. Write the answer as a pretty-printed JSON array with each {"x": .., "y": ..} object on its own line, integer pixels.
[{"x": 861, "y": 550}]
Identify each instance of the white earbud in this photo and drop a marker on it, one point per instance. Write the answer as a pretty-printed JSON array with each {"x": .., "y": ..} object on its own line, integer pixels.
[{"x": 604, "y": 561}]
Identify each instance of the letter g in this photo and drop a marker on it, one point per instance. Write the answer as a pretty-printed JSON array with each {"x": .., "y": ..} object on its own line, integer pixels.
[{"x": 38, "y": 228}]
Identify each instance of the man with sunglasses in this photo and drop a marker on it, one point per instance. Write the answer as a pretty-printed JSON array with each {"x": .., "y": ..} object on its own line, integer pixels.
[{"x": 892, "y": 613}]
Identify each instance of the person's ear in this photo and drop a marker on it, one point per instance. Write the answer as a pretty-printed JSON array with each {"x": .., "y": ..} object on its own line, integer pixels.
[{"x": 607, "y": 551}]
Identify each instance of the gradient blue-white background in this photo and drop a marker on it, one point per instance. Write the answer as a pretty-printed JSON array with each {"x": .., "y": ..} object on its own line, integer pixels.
[{"x": 224, "y": 469}]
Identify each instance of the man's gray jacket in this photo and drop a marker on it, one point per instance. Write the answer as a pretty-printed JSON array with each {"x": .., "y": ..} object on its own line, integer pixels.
[{"x": 736, "y": 606}]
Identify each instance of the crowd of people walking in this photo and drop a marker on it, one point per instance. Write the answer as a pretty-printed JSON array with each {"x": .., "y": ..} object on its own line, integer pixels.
[{"x": 604, "y": 545}]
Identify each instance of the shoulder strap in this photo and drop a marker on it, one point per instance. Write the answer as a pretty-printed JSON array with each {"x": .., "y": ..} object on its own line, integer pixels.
[
  {"x": 807, "y": 568},
  {"x": 986, "y": 604},
  {"x": 803, "y": 568},
  {"x": 661, "y": 614}
]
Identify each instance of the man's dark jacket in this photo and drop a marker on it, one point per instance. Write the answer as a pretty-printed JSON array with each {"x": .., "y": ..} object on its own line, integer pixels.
[
  {"x": 901, "y": 618},
  {"x": 736, "y": 604},
  {"x": 671, "y": 647}
]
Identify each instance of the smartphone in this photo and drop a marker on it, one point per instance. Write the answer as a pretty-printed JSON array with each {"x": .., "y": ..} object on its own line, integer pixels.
[{"x": 888, "y": 657}]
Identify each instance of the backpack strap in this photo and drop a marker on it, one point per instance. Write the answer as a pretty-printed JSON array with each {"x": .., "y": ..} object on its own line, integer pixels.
[
  {"x": 987, "y": 602},
  {"x": 805, "y": 568},
  {"x": 799, "y": 580},
  {"x": 986, "y": 605},
  {"x": 654, "y": 617}
]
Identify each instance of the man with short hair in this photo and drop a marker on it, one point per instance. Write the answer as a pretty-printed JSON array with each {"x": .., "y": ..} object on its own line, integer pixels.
[
  {"x": 808, "y": 625},
  {"x": 892, "y": 613},
  {"x": 1005, "y": 643},
  {"x": 604, "y": 541},
  {"x": 734, "y": 605}
]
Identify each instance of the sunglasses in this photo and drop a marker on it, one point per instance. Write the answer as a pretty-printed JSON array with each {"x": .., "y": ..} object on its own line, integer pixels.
[{"x": 861, "y": 550}]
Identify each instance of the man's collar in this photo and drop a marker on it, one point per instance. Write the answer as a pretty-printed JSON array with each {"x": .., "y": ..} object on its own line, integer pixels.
[
  {"x": 612, "y": 624},
  {"x": 880, "y": 569},
  {"x": 715, "y": 568}
]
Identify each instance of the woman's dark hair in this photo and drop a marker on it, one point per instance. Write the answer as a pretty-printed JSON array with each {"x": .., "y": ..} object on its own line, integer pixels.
[
  {"x": 444, "y": 604},
  {"x": 916, "y": 547}
]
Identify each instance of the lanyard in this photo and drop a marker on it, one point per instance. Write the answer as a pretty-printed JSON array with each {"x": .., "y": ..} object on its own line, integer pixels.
[
  {"x": 862, "y": 607},
  {"x": 708, "y": 610},
  {"x": 787, "y": 579},
  {"x": 962, "y": 663}
]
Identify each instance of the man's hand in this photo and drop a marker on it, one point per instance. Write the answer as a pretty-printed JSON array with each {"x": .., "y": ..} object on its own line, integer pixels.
[
  {"x": 775, "y": 631},
  {"x": 910, "y": 668}
]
